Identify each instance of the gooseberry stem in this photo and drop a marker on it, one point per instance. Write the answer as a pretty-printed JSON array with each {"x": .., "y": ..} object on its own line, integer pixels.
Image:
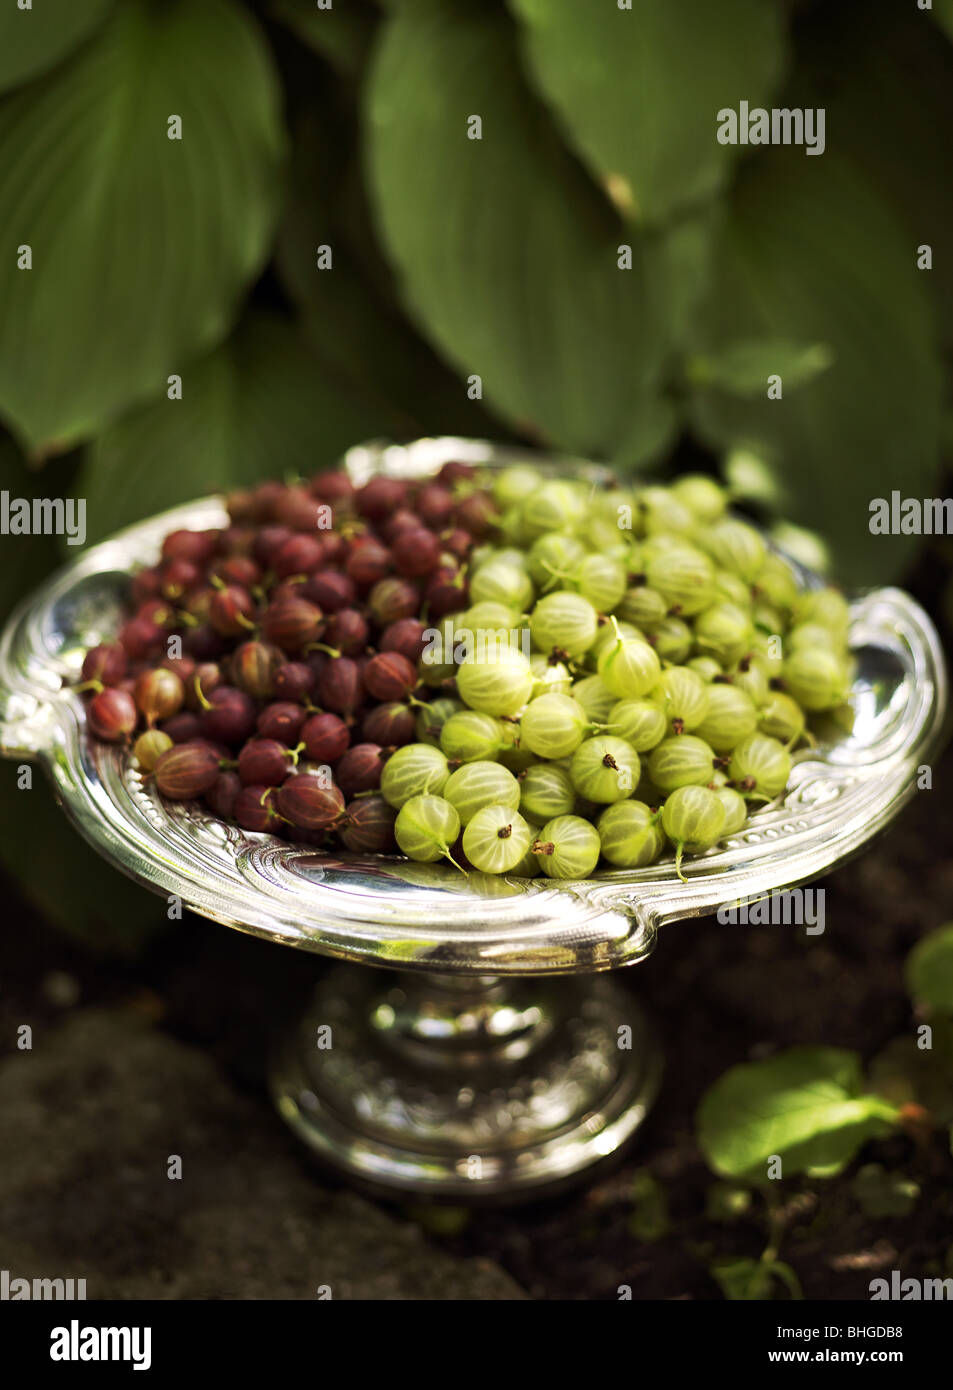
[{"x": 200, "y": 693}]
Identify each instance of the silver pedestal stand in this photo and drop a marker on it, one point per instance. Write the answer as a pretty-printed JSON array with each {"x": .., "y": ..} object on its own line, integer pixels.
[{"x": 464, "y": 1075}]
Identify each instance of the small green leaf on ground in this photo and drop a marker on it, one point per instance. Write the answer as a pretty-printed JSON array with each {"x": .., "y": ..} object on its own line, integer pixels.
[
  {"x": 929, "y": 970},
  {"x": 725, "y": 1201},
  {"x": 807, "y": 1106},
  {"x": 649, "y": 1219},
  {"x": 882, "y": 1193},
  {"x": 746, "y": 1279}
]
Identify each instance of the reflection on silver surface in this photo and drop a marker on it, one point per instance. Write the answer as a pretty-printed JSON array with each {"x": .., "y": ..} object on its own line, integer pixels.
[{"x": 389, "y": 911}]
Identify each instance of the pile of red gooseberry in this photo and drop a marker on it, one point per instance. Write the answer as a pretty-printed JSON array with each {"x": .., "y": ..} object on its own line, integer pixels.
[{"x": 270, "y": 666}]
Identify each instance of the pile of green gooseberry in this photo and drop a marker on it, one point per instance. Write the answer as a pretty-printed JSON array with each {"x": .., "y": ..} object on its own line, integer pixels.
[{"x": 634, "y": 672}]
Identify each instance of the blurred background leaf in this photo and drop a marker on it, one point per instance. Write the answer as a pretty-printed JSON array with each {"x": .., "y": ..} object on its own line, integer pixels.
[
  {"x": 943, "y": 9},
  {"x": 36, "y": 555},
  {"x": 508, "y": 253},
  {"x": 885, "y": 76},
  {"x": 350, "y": 313},
  {"x": 35, "y": 40},
  {"x": 341, "y": 34},
  {"x": 636, "y": 90},
  {"x": 811, "y": 253},
  {"x": 140, "y": 244},
  {"x": 257, "y": 407},
  {"x": 60, "y": 876},
  {"x": 743, "y": 368}
]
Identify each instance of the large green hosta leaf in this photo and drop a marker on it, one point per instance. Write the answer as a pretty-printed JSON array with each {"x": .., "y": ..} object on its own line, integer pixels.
[
  {"x": 809, "y": 254},
  {"x": 24, "y": 560},
  {"x": 349, "y": 310},
  {"x": 508, "y": 253},
  {"x": 32, "y": 41},
  {"x": 141, "y": 245},
  {"x": 341, "y": 34},
  {"x": 859, "y": 62},
  {"x": 637, "y": 90},
  {"x": 260, "y": 406}
]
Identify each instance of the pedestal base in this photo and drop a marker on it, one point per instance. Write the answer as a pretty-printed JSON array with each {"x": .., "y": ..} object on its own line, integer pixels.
[{"x": 466, "y": 1088}]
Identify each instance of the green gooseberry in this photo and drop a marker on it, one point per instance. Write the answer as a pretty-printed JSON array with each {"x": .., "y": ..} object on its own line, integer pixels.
[
  {"x": 480, "y": 784},
  {"x": 552, "y": 507},
  {"x": 641, "y": 606},
  {"x": 684, "y": 576},
  {"x": 553, "y": 726},
  {"x": 438, "y": 662},
  {"x": 546, "y": 791},
  {"x": 490, "y": 615},
  {"x": 723, "y": 631},
  {"x": 827, "y": 606},
  {"x": 731, "y": 587},
  {"x": 683, "y": 696},
  {"x": 672, "y": 638},
  {"x": 817, "y": 679},
  {"x": 601, "y": 579},
  {"x": 426, "y": 827},
  {"x": 813, "y": 636},
  {"x": 751, "y": 676},
  {"x": 595, "y": 697},
  {"x": 681, "y": 761},
  {"x": 567, "y": 847},
  {"x": 511, "y": 485},
  {"x": 662, "y": 512},
  {"x": 607, "y": 635},
  {"x": 416, "y": 769},
  {"x": 781, "y": 718},
  {"x": 630, "y": 835},
  {"x": 769, "y": 651},
  {"x": 552, "y": 557},
  {"x": 731, "y": 716},
  {"x": 760, "y": 767},
  {"x": 777, "y": 584},
  {"x": 704, "y": 498},
  {"x": 605, "y": 769},
  {"x": 496, "y": 680},
  {"x": 705, "y": 666},
  {"x": 432, "y": 717},
  {"x": 516, "y": 760},
  {"x": 551, "y": 677},
  {"x": 501, "y": 581},
  {"x": 496, "y": 839},
  {"x": 639, "y": 722},
  {"x": 734, "y": 546},
  {"x": 629, "y": 667},
  {"x": 469, "y": 736},
  {"x": 736, "y": 809},
  {"x": 768, "y": 619},
  {"x": 693, "y": 818},
  {"x": 528, "y": 867},
  {"x": 564, "y": 622}
]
